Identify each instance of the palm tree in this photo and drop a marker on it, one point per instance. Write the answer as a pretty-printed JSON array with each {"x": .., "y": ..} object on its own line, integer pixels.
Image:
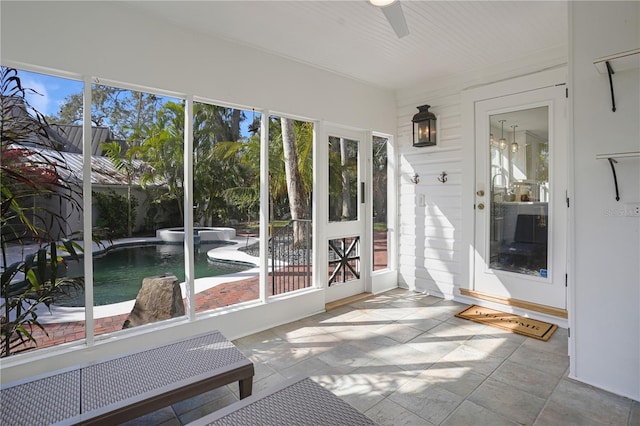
[
  {"x": 223, "y": 185},
  {"x": 295, "y": 187},
  {"x": 163, "y": 150}
]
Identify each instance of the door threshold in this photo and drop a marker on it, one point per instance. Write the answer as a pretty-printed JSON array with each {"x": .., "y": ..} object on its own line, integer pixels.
[
  {"x": 346, "y": 301},
  {"x": 544, "y": 309}
]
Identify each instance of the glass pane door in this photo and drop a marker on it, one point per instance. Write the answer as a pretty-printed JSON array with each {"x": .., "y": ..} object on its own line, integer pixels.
[
  {"x": 520, "y": 213},
  {"x": 519, "y": 191},
  {"x": 345, "y": 227},
  {"x": 343, "y": 179}
]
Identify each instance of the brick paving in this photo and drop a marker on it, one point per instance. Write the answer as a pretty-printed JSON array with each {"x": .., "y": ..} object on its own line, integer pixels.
[{"x": 216, "y": 297}]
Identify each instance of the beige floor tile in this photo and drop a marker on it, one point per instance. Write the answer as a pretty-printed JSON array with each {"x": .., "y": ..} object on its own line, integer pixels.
[
  {"x": 555, "y": 413},
  {"x": 547, "y": 362},
  {"x": 388, "y": 413},
  {"x": 451, "y": 331},
  {"x": 404, "y": 359},
  {"x": 473, "y": 359},
  {"x": 526, "y": 379},
  {"x": 507, "y": 401},
  {"x": 500, "y": 345},
  {"x": 399, "y": 332},
  {"x": 403, "y": 356},
  {"x": 422, "y": 324},
  {"x": 453, "y": 377},
  {"x": 469, "y": 413},
  {"x": 351, "y": 388},
  {"x": 580, "y": 399},
  {"x": 383, "y": 378},
  {"x": 433, "y": 347},
  {"x": 346, "y": 355},
  {"x": 313, "y": 367},
  {"x": 430, "y": 402}
]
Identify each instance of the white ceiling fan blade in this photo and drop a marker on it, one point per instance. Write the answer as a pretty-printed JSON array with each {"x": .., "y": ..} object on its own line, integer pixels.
[{"x": 395, "y": 16}]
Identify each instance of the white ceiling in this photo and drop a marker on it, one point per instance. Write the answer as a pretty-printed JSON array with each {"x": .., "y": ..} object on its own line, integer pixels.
[{"x": 353, "y": 38}]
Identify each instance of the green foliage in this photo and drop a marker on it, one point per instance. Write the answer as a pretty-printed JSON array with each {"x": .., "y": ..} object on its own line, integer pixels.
[
  {"x": 32, "y": 170},
  {"x": 163, "y": 150},
  {"x": 28, "y": 283},
  {"x": 122, "y": 110},
  {"x": 379, "y": 180},
  {"x": 112, "y": 212}
]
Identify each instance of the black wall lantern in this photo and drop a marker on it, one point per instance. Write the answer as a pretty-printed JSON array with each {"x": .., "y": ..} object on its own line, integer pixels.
[{"x": 424, "y": 127}]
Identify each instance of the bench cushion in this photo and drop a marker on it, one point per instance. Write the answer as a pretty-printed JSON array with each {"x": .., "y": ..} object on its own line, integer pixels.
[
  {"x": 128, "y": 386},
  {"x": 294, "y": 402}
]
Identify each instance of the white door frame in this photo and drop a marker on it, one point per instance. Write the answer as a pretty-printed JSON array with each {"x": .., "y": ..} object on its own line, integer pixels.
[
  {"x": 548, "y": 290},
  {"x": 333, "y": 230},
  {"x": 548, "y": 78}
]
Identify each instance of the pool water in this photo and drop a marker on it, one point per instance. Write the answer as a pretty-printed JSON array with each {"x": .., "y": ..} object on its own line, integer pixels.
[{"x": 118, "y": 274}]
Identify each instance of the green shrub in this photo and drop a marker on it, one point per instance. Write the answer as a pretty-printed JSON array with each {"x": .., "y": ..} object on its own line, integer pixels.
[{"x": 112, "y": 213}]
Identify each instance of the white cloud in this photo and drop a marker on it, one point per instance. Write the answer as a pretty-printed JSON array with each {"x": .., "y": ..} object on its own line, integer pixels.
[{"x": 41, "y": 100}]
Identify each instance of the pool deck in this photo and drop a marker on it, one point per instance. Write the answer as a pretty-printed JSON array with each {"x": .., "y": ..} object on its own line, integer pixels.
[
  {"x": 244, "y": 288},
  {"x": 225, "y": 253}
]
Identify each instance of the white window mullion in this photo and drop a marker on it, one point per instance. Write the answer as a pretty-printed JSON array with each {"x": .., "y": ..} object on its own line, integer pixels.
[
  {"x": 393, "y": 179},
  {"x": 319, "y": 210},
  {"x": 264, "y": 204},
  {"x": 86, "y": 213},
  {"x": 189, "y": 250}
]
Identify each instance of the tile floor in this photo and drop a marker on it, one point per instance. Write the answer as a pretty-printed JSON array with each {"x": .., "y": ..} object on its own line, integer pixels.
[{"x": 403, "y": 359}]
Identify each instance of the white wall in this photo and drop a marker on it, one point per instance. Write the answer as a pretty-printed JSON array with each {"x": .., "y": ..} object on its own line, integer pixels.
[
  {"x": 606, "y": 283},
  {"x": 430, "y": 233}
]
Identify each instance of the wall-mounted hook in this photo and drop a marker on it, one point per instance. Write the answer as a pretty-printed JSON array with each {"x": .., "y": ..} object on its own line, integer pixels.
[
  {"x": 443, "y": 177},
  {"x": 415, "y": 178}
]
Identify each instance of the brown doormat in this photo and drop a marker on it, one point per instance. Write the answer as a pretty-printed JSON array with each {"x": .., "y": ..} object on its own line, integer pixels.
[{"x": 516, "y": 324}]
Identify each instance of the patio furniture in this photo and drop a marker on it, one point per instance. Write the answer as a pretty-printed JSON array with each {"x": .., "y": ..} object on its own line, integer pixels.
[
  {"x": 294, "y": 402},
  {"x": 125, "y": 387}
]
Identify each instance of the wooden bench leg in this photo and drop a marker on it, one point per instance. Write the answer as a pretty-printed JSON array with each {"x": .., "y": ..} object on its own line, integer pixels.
[{"x": 246, "y": 387}]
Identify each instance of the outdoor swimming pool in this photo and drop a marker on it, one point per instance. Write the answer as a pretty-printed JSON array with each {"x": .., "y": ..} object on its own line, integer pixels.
[{"x": 118, "y": 274}]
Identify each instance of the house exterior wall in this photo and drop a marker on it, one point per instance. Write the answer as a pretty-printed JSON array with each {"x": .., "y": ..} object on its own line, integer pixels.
[
  {"x": 432, "y": 214},
  {"x": 606, "y": 272}
]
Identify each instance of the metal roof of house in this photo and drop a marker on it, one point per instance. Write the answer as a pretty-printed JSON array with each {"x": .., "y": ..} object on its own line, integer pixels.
[
  {"x": 103, "y": 172},
  {"x": 72, "y": 134}
]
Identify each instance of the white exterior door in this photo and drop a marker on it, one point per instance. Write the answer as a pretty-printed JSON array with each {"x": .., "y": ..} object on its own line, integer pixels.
[
  {"x": 520, "y": 201},
  {"x": 345, "y": 237}
]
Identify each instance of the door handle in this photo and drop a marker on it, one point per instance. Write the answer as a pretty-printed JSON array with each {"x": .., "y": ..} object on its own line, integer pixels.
[{"x": 480, "y": 193}]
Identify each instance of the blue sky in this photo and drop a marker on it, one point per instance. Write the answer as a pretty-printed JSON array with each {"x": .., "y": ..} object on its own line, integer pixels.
[{"x": 52, "y": 90}]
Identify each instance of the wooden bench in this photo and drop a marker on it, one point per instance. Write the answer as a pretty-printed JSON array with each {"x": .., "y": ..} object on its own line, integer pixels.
[
  {"x": 294, "y": 402},
  {"x": 125, "y": 387}
]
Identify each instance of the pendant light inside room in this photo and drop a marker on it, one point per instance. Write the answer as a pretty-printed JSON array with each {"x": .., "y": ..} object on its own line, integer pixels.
[
  {"x": 514, "y": 144},
  {"x": 502, "y": 143}
]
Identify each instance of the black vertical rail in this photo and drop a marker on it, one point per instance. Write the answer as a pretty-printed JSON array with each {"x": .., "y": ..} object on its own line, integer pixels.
[
  {"x": 272, "y": 248},
  {"x": 288, "y": 259}
]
